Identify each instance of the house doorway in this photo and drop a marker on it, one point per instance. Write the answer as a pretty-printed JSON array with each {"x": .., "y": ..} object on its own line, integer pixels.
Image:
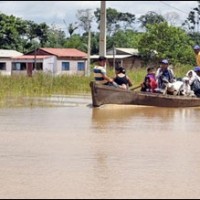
[{"x": 29, "y": 69}]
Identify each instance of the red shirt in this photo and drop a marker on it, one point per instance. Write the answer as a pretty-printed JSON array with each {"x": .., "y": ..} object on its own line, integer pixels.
[{"x": 153, "y": 82}]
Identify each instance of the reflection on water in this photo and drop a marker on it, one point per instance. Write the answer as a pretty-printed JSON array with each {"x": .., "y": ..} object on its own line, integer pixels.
[
  {"x": 117, "y": 112},
  {"x": 143, "y": 116},
  {"x": 108, "y": 152},
  {"x": 153, "y": 151}
]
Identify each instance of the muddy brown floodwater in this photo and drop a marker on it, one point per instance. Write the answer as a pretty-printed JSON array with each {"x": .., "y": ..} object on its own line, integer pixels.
[{"x": 76, "y": 151}]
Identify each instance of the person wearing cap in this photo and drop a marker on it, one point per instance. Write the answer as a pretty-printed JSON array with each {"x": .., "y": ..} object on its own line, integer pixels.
[
  {"x": 100, "y": 75},
  {"x": 122, "y": 79},
  {"x": 164, "y": 75},
  {"x": 196, "y": 49},
  {"x": 197, "y": 70}
]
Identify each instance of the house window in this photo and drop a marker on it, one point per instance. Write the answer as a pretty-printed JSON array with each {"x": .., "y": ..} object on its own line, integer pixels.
[
  {"x": 81, "y": 66},
  {"x": 39, "y": 66},
  {"x": 19, "y": 66},
  {"x": 2, "y": 66},
  {"x": 65, "y": 66}
]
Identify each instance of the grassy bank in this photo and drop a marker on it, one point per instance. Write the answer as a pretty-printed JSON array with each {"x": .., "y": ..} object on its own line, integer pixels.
[
  {"x": 45, "y": 85},
  {"x": 42, "y": 85}
]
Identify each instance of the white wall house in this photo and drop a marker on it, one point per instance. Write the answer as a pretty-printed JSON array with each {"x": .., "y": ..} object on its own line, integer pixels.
[
  {"x": 28, "y": 64},
  {"x": 57, "y": 61},
  {"x": 6, "y": 60}
]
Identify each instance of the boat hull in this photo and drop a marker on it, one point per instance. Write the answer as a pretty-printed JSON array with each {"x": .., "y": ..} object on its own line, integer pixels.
[{"x": 102, "y": 94}]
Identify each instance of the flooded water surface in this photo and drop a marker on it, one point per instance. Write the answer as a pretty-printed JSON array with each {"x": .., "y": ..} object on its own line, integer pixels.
[{"x": 76, "y": 151}]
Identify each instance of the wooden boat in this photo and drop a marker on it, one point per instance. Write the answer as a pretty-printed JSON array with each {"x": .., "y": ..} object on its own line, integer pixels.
[{"x": 102, "y": 94}]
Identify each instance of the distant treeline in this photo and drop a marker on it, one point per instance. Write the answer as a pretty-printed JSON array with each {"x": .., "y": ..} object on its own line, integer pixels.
[{"x": 154, "y": 35}]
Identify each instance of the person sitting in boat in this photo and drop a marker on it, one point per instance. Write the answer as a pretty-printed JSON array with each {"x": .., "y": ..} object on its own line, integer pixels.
[
  {"x": 164, "y": 75},
  {"x": 194, "y": 80},
  {"x": 146, "y": 85},
  {"x": 186, "y": 88},
  {"x": 149, "y": 84},
  {"x": 197, "y": 70},
  {"x": 121, "y": 78},
  {"x": 100, "y": 75}
]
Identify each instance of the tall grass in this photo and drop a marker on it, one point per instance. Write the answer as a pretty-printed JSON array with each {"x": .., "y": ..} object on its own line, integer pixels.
[{"x": 41, "y": 84}]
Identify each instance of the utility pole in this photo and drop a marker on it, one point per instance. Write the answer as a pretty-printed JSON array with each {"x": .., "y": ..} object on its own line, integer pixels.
[
  {"x": 35, "y": 61},
  {"x": 102, "y": 39},
  {"x": 114, "y": 53},
  {"x": 89, "y": 52}
]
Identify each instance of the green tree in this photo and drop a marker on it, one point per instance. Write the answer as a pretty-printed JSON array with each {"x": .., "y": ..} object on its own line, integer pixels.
[
  {"x": 12, "y": 32},
  {"x": 55, "y": 38},
  {"x": 164, "y": 41},
  {"x": 151, "y": 18},
  {"x": 125, "y": 39},
  {"x": 36, "y": 35},
  {"x": 94, "y": 43},
  {"x": 76, "y": 41},
  {"x": 39, "y": 31},
  {"x": 26, "y": 35},
  {"x": 71, "y": 28},
  {"x": 192, "y": 25},
  {"x": 192, "y": 21},
  {"x": 42, "y": 33},
  {"x": 116, "y": 20}
]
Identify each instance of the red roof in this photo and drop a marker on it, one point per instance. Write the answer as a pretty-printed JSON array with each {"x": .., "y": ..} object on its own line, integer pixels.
[
  {"x": 65, "y": 52},
  {"x": 28, "y": 57}
]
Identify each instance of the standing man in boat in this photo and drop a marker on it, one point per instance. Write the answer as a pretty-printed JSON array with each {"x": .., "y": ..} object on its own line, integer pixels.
[
  {"x": 100, "y": 75},
  {"x": 196, "y": 49}
]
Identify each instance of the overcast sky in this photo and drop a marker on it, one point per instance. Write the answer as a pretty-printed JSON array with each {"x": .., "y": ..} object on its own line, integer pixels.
[{"x": 54, "y": 12}]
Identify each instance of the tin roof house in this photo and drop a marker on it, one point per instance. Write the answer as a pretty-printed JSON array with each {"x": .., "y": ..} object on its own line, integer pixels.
[{"x": 126, "y": 57}]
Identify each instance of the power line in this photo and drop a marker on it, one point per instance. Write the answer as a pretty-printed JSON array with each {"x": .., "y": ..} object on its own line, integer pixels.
[{"x": 173, "y": 7}]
